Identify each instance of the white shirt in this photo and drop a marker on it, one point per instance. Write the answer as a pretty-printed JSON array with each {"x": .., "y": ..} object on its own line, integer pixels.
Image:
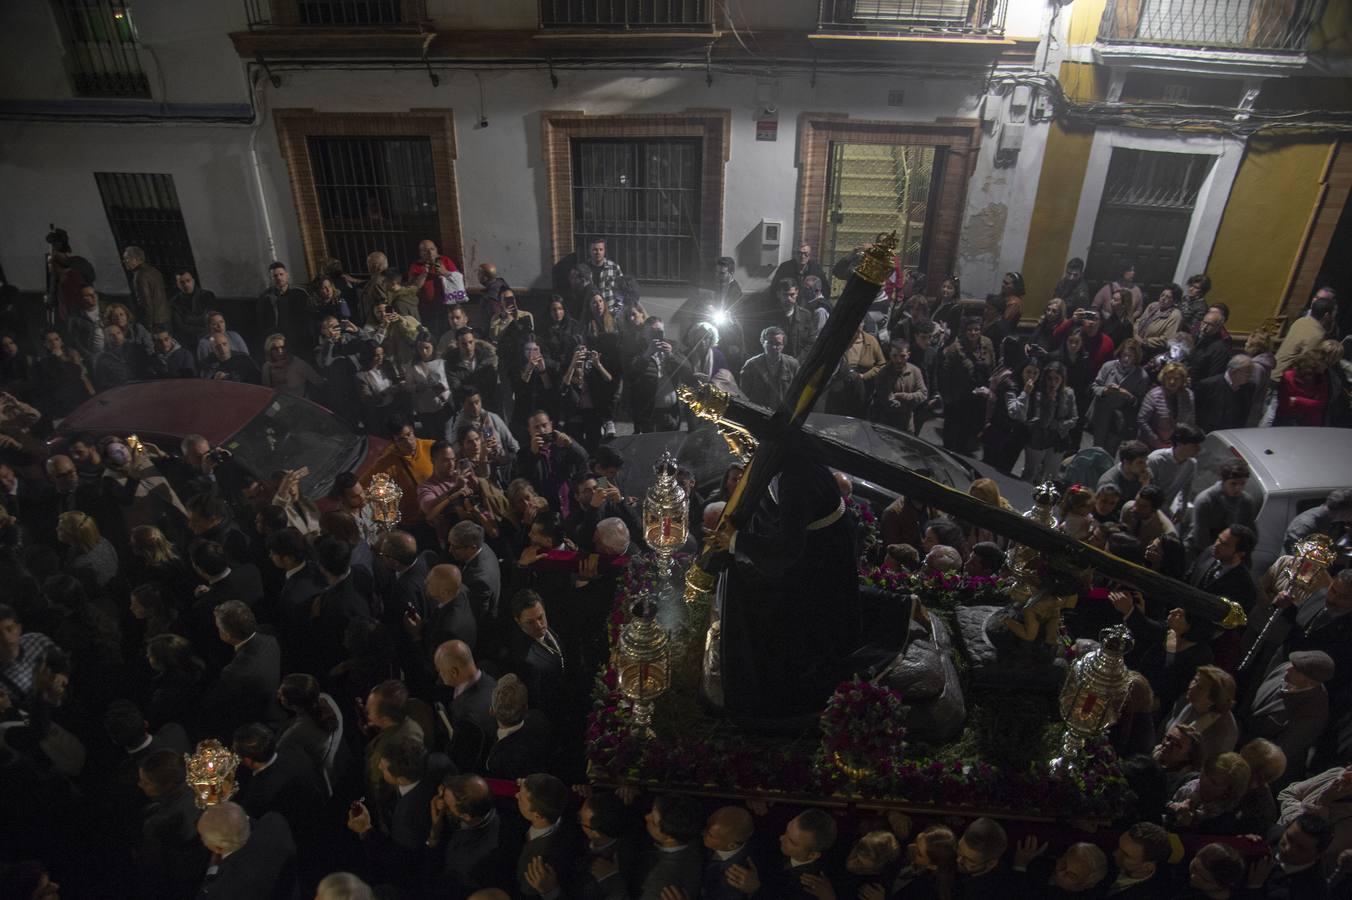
[
  {"x": 512, "y": 729},
  {"x": 405, "y": 788}
]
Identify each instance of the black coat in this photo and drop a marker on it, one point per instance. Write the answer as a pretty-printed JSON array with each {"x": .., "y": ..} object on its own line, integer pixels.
[
  {"x": 1218, "y": 406},
  {"x": 558, "y": 848},
  {"x": 481, "y": 579},
  {"x": 171, "y": 858},
  {"x": 398, "y": 856},
  {"x": 1237, "y": 584},
  {"x": 339, "y": 604},
  {"x": 471, "y": 858},
  {"x": 265, "y": 867},
  {"x": 682, "y": 868},
  {"x": 523, "y": 752},
  {"x": 246, "y": 689},
  {"x": 542, "y": 672},
  {"x": 290, "y": 786}
]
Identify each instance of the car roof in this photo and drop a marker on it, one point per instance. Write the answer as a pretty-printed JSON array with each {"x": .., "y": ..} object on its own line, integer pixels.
[
  {"x": 213, "y": 409},
  {"x": 1293, "y": 459}
]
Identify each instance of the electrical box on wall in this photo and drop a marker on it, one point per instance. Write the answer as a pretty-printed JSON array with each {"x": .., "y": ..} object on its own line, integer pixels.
[
  {"x": 770, "y": 234},
  {"x": 1008, "y": 143}
]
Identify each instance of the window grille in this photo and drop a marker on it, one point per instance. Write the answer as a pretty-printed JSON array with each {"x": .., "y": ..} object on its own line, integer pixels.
[
  {"x": 375, "y": 194},
  {"x": 101, "y": 53},
  {"x": 912, "y": 15},
  {"x": 624, "y": 13},
  {"x": 1248, "y": 24},
  {"x": 143, "y": 211},
  {"x": 643, "y": 197},
  {"x": 349, "y": 12}
]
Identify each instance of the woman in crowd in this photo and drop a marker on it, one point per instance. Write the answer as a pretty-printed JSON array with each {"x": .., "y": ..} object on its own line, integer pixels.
[
  {"x": 316, "y": 730},
  {"x": 1052, "y": 316},
  {"x": 584, "y": 381},
  {"x": 286, "y": 373},
  {"x": 968, "y": 364},
  {"x": 379, "y": 387},
  {"x": 1003, "y": 437},
  {"x": 561, "y": 335},
  {"x": 534, "y": 386},
  {"x": 988, "y": 492},
  {"x": 327, "y": 300},
  {"x": 1116, "y": 395},
  {"x": 933, "y": 870},
  {"x": 947, "y": 311},
  {"x": 1187, "y": 648},
  {"x": 1207, "y": 706},
  {"x": 1104, "y": 508},
  {"x": 1115, "y": 320},
  {"x": 155, "y": 560},
  {"x": 1208, "y": 804},
  {"x": 1005, "y": 309},
  {"x": 1258, "y": 810},
  {"x": 1303, "y": 392},
  {"x": 1048, "y": 407},
  {"x": 155, "y": 614},
  {"x": 134, "y": 332},
  {"x": 1074, "y": 355},
  {"x": 16, "y": 368},
  {"x": 431, "y": 391},
  {"x": 1165, "y": 406},
  {"x": 1159, "y": 321},
  {"x": 89, "y": 555},
  {"x": 1076, "y": 506},
  {"x": 177, "y": 683},
  {"x": 1165, "y": 554},
  {"x": 301, "y": 512}
]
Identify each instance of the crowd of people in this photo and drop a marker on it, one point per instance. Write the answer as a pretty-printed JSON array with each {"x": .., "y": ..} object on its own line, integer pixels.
[{"x": 409, "y": 704}]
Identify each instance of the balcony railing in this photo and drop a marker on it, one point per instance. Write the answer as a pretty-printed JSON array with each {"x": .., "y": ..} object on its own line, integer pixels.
[
  {"x": 978, "y": 17},
  {"x": 624, "y": 15},
  {"x": 1235, "y": 24},
  {"x": 334, "y": 13}
]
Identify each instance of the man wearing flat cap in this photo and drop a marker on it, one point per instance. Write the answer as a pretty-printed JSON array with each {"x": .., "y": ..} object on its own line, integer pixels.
[{"x": 1291, "y": 707}]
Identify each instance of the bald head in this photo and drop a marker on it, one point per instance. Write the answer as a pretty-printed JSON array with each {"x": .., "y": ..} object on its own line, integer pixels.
[
  {"x": 400, "y": 547},
  {"x": 343, "y": 886},
  {"x": 728, "y": 828},
  {"x": 844, "y": 484},
  {"x": 223, "y": 828},
  {"x": 443, "y": 584},
  {"x": 712, "y": 513},
  {"x": 455, "y": 663}
]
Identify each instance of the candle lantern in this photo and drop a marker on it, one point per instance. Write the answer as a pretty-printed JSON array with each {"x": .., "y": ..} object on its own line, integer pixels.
[
  {"x": 382, "y": 499},
  {"x": 644, "y": 661},
  {"x": 1093, "y": 694},
  {"x": 211, "y": 773},
  {"x": 666, "y": 514},
  {"x": 1023, "y": 560},
  {"x": 1306, "y": 571}
]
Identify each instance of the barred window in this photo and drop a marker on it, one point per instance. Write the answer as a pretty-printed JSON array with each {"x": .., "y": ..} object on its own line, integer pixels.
[
  {"x": 349, "y": 12},
  {"x": 143, "y": 211},
  {"x": 375, "y": 194},
  {"x": 101, "y": 53},
  {"x": 643, "y": 197},
  {"x": 624, "y": 13}
]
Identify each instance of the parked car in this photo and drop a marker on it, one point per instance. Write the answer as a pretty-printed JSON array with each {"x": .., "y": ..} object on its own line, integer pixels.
[
  {"x": 1294, "y": 469},
  {"x": 706, "y": 455},
  {"x": 266, "y": 430}
]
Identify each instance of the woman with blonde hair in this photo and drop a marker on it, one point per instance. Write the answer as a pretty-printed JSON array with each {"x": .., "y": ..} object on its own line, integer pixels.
[
  {"x": 287, "y": 373},
  {"x": 932, "y": 871},
  {"x": 1207, "y": 705},
  {"x": 1208, "y": 802},
  {"x": 988, "y": 492},
  {"x": 118, "y": 314},
  {"x": 90, "y": 556},
  {"x": 1167, "y": 404}
]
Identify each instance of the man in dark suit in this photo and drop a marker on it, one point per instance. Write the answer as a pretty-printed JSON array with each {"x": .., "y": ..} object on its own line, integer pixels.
[
  {"x": 396, "y": 855},
  {"x": 127, "y": 728},
  {"x": 282, "y": 781},
  {"x": 727, "y": 837},
  {"x": 1323, "y": 622},
  {"x": 521, "y": 742},
  {"x": 289, "y": 552},
  {"x": 469, "y": 691},
  {"x": 246, "y": 689},
  {"x": 448, "y": 617},
  {"x": 466, "y": 839},
  {"x": 1223, "y": 400},
  {"x": 171, "y": 857},
  {"x": 1294, "y": 873},
  {"x": 675, "y": 823},
  {"x": 980, "y": 851},
  {"x": 337, "y": 605},
  {"x": 209, "y": 519},
  {"x": 551, "y": 843},
  {"x": 609, "y": 867},
  {"x": 1141, "y": 862},
  {"x": 535, "y": 655},
  {"x": 221, "y": 580},
  {"x": 1224, "y": 571},
  {"x": 482, "y": 577},
  {"x": 249, "y": 859}
]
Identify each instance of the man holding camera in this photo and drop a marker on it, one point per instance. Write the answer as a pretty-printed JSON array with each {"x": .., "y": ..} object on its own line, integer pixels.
[
  {"x": 552, "y": 462},
  {"x": 1097, "y": 344},
  {"x": 426, "y": 277}
]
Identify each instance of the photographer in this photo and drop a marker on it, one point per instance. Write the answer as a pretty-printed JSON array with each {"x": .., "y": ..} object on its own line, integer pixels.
[
  {"x": 653, "y": 375},
  {"x": 583, "y": 383},
  {"x": 499, "y": 442},
  {"x": 551, "y": 463},
  {"x": 1097, "y": 344}
]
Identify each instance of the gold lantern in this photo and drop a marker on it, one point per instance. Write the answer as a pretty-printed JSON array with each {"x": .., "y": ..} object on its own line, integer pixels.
[
  {"x": 382, "y": 499},
  {"x": 644, "y": 661},
  {"x": 666, "y": 514},
  {"x": 211, "y": 773},
  {"x": 1023, "y": 560},
  {"x": 1093, "y": 694},
  {"x": 1306, "y": 571}
]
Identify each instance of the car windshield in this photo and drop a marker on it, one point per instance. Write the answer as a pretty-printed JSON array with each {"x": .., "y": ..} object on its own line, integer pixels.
[{"x": 291, "y": 433}]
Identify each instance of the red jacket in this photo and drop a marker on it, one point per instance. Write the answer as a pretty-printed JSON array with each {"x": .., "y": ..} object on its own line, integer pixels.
[
  {"x": 1100, "y": 346},
  {"x": 1301, "y": 402},
  {"x": 429, "y": 295}
]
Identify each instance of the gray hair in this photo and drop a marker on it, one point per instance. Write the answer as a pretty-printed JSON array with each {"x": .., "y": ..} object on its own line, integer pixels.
[
  {"x": 224, "y": 828},
  {"x": 1094, "y": 856},
  {"x": 133, "y": 252},
  {"x": 944, "y": 559},
  {"x": 465, "y": 536},
  {"x": 343, "y": 886},
  {"x": 612, "y": 536},
  {"x": 188, "y": 442},
  {"x": 1238, "y": 361},
  {"x": 510, "y": 701}
]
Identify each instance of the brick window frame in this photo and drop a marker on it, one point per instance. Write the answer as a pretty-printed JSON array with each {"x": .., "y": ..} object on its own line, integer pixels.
[
  {"x": 560, "y": 127},
  {"x": 294, "y": 126},
  {"x": 961, "y": 138}
]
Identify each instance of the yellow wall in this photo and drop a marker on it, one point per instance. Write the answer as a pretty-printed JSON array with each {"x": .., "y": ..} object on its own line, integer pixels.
[
  {"x": 1064, "y": 162},
  {"x": 1264, "y": 225},
  {"x": 1085, "y": 16}
]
